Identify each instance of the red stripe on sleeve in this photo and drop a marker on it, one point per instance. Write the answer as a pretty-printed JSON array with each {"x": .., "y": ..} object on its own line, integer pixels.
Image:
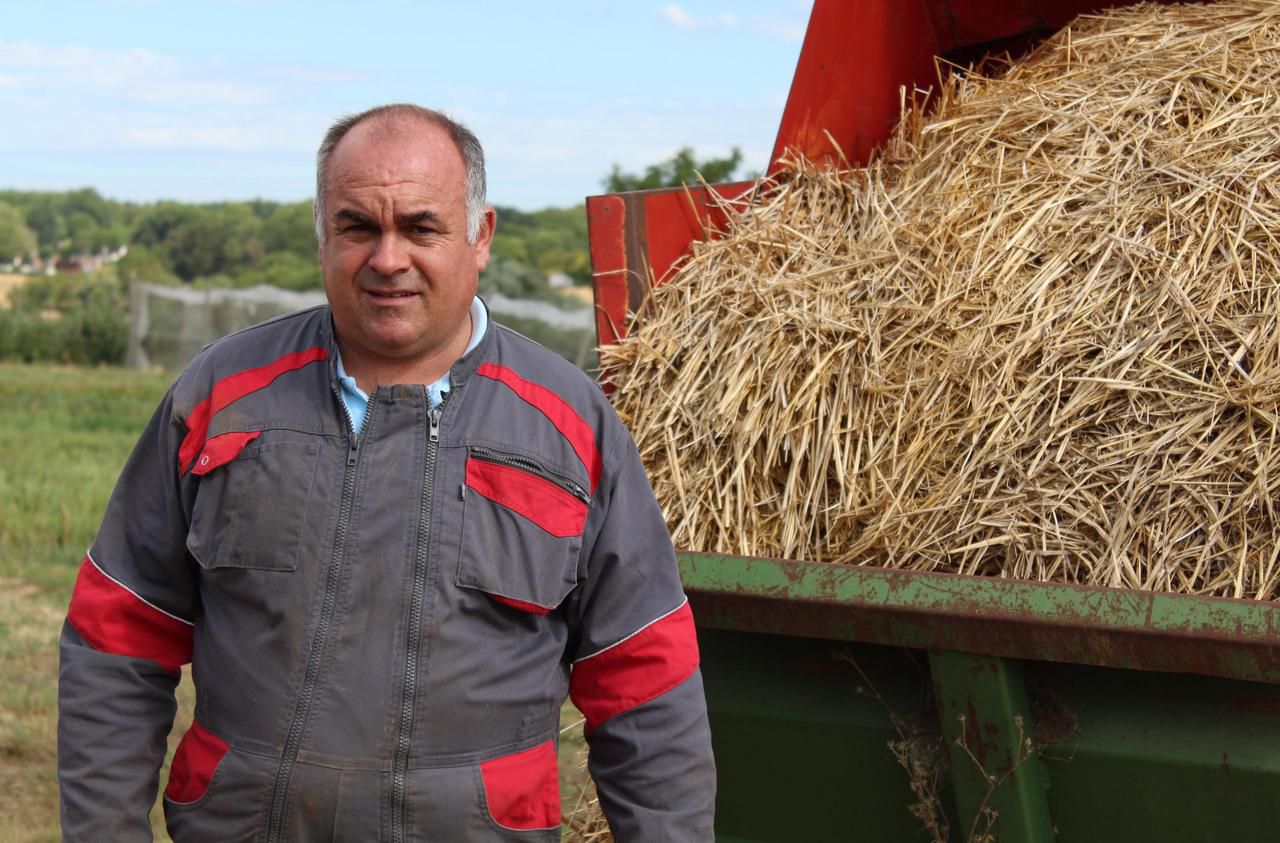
[
  {"x": 231, "y": 389},
  {"x": 640, "y": 668},
  {"x": 198, "y": 755},
  {"x": 112, "y": 619},
  {"x": 565, "y": 419},
  {"x": 545, "y": 504}
]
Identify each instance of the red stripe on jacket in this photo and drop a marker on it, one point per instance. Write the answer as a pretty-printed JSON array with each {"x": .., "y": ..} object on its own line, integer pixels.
[
  {"x": 231, "y": 389},
  {"x": 544, "y": 503},
  {"x": 639, "y": 668},
  {"x": 557, "y": 411},
  {"x": 112, "y": 619}
]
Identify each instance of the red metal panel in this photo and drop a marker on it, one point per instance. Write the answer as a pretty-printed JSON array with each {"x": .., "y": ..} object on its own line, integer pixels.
[
  {"x": 639, "y": 236},
  {"x": 606, "y": 217},
  {"x": 855, "y": 57}
]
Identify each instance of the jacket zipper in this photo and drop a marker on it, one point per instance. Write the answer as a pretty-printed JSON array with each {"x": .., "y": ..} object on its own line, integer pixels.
[
  {"x": 280, "y": 792},
  {"x": 532, "y": 467},
  {"x": 400, "y": 766}
]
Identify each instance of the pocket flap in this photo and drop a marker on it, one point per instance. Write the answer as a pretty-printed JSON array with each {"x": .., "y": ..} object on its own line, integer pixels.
[
  {"x": 540, "y": 501},
  {"x": 222, "y": 449}
]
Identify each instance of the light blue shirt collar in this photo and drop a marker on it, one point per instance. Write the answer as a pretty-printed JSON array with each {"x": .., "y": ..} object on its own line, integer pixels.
[{"x": 357, "y": 401}]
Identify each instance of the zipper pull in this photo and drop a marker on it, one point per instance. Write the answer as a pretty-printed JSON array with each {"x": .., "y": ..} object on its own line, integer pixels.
[
  {"x": 435, "y": 424},
  {"x": 353, "y": 450}
]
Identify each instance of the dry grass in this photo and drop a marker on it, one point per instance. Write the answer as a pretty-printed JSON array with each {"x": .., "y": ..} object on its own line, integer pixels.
[
  {"x": 30, "y": 621},
  {"x": 8, "y": 283},
  {"x": 29, "y": 624},
  {"x": 1037, "y": 338}
]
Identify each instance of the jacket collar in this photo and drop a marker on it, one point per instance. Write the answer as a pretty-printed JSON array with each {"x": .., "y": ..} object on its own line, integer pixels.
[{"x": 459, "y": 372}]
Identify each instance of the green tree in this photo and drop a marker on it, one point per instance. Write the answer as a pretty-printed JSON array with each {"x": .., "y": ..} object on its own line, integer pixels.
[
  {"x": 83, "y": 230},
  {"x": 142, "y": 264},
  {"x": 196, "y": 241},
  {"x": 681, "y": 168},
  {"x": 16, "y": 239},
  {"x": 549, "y": 240},
  {"x": 290, "y": 228},
  {"x": 47, "y": 222},
  {"x": 284, "y": 269},
  {"x": 513, "y": 279}
]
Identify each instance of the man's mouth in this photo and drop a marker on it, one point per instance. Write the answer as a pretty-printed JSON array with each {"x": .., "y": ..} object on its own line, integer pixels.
[{"x": 391, "y": 294}]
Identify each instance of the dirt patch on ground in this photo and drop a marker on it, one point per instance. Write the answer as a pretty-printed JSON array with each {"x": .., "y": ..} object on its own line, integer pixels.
[{"x": 9, "y": 282}]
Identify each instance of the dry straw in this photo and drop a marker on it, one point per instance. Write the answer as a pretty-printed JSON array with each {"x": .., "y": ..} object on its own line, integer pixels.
[{"x": 1036, "y": 338}]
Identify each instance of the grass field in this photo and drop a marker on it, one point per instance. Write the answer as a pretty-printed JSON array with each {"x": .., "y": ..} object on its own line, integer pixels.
[{"x": 64, "y": 433}]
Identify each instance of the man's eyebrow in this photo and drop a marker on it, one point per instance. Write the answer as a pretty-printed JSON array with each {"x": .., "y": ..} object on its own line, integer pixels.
[
  {"x": 348, "y": 215},
  {"x": 405, "y": 220}
]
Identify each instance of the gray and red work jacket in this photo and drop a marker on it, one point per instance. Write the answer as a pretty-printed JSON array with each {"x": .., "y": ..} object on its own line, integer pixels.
[{"x": 382, "y": 629}]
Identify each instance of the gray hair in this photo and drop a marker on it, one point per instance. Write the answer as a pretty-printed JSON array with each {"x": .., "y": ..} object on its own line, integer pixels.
[{"x": 466, "y": 142}]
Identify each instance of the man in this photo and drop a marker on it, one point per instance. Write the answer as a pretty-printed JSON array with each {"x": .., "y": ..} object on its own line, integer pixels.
[{"x": 389, "y": 535}]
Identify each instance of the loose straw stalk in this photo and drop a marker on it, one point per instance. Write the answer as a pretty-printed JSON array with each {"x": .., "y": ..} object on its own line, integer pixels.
[{"x": 1036, "y": 338}]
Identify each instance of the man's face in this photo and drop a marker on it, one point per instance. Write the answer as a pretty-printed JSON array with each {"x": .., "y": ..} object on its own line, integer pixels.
[{"x": 398, "y": 270}]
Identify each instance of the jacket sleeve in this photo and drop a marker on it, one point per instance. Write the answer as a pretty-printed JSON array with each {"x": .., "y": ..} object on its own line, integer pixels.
[
  {"x": 635, "y": 672},
  {"x": 127, "y": 634}
]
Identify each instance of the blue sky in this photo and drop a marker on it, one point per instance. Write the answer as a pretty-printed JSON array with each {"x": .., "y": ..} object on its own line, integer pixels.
[{"x": 226, "y": 99}]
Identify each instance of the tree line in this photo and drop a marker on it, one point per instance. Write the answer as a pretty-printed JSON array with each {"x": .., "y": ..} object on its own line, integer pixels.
[{"x": 241, "y": 244}]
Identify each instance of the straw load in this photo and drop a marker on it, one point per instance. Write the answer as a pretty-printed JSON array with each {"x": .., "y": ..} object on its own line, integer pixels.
[{"x": 1036, "y": 338}]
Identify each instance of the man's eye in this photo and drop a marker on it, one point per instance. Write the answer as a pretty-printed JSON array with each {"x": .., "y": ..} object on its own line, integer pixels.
[{"x": 423, "y": 230}]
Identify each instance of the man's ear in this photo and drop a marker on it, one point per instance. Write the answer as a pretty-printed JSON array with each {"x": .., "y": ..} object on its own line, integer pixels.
[{"x": 484, "y": 239}]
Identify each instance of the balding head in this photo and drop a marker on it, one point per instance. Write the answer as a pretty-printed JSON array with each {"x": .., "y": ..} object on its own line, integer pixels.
[{"x": 394, "y": 119}]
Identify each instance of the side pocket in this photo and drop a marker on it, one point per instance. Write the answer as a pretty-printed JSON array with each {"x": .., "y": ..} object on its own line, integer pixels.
[
  {"x": 198, "y": 756},
  {"x": 522, "y": 530},
  {"x": 522, "y": 790}
]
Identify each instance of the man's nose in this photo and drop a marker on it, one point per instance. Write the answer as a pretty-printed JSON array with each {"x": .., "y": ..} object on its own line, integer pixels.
[{"x": 390, "y": 256}]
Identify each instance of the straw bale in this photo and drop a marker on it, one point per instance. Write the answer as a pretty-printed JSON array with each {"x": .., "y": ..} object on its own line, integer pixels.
[{"x": 1035, "y": 338}]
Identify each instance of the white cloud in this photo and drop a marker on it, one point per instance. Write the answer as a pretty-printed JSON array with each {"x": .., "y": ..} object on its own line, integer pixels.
[
  {"x": 786, "y": 29},
  {"x": 135, "y": 74},
  {"x": 70, "y": 97},
  {"x": 675, "y": 15}
]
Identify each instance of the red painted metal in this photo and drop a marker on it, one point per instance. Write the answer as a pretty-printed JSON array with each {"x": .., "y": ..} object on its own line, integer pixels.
[
  {"x": 606, "y": 216},
  {"x": 855, "y": 57},
  {"x": 636, "y": 240}
]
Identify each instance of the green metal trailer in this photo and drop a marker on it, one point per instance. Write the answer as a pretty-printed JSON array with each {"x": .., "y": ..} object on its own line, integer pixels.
[{"x": 1019, "y": 711}]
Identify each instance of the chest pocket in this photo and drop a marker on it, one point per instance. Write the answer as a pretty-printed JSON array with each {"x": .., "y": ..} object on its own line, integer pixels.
[
  {"x": 522, "y": 530},
  {"x": 253, "y": 502}
]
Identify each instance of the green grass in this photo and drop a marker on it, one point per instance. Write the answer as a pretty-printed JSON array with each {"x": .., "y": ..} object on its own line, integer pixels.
[{"x": 65, "y": 432}]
